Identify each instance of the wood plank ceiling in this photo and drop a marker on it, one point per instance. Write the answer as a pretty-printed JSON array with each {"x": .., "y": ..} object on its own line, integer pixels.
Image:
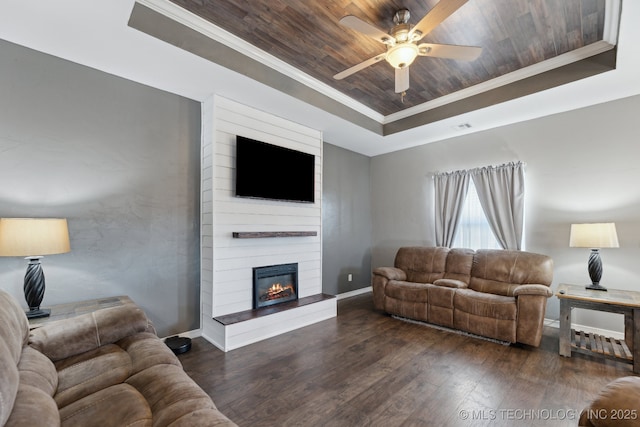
[{"x": 307, "y": 35}]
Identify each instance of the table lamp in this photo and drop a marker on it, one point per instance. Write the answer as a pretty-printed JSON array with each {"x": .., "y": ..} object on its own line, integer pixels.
[
  {"x": 32, "y": 238},
  {"x": 594, "y": 236}
]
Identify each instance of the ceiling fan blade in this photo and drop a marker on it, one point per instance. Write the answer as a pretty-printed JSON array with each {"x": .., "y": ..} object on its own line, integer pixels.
[
  {"x": 367, "y": 29},
  {"x": 358, "y": 67},
  {"x": 464, "y": 53},
  {"x": 439, "y": 13},
  {"x": 402, "y": 79}
]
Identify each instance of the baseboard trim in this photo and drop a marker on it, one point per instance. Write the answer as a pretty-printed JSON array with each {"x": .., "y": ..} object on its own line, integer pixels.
[
  {"x": 354, "y": 293},
  {"x": 195, "y": 333}
]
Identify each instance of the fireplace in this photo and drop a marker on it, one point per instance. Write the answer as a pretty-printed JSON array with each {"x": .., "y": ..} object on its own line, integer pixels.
[{"x": 275, "y": 284}]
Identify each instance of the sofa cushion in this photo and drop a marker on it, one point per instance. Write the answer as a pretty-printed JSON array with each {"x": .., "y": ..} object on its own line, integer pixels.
[
  {"x": 422, "y": 264},
  {"x": 146, "y": 350},
  {"x": 14, "y": 331},
  {"x": 115, "y": 406},
  {"x": 173, "y": 398},
  {"x": 459, "y": 264},
  {"x": 485, "y": 305},
  {"x": 9, "y": 383},
  {"x": 87, "y": 373},
  {"x": 407, "y": 291},
  {"x": 489, "y": 315},
  {"x": 33, "y": 407},
  {"x": 38, "y": 371},
  {"x": 499, "y": 272}
]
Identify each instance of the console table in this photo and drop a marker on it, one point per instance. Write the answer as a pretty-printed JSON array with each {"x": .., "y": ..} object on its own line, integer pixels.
[
  {"x": 72, "y": 309},
  {"x": 613, "y": 301}
]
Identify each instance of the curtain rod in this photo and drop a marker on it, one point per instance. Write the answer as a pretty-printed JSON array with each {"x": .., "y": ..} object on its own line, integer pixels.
[{"x": 473, "y": 170}]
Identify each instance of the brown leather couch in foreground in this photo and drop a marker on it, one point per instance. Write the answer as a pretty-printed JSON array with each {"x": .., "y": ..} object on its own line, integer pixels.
[
  {"x": 105, "y": 368},
  {"x": 617, "y": 404},
  {"x": 498, "y": 294}
]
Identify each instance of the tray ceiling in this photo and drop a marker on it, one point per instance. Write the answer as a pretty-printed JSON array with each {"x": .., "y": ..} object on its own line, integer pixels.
[{"x": 518, "y": 38}]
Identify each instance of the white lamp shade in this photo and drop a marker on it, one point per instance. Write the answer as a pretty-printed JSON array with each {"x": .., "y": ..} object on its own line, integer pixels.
[
  {"x": 30, "y": 237},
  {"x": 596, "y": 235}
]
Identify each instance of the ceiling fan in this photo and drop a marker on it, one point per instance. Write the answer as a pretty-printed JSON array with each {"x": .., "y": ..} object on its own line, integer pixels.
[{"x": 402, "y": 42}]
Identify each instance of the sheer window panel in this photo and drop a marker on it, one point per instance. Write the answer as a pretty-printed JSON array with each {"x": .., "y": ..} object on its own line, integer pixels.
[{"x": 474, "y": 231}]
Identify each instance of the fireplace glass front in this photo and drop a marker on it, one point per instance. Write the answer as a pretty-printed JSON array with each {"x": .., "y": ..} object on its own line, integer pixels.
[{"x": 275, "y": 284}]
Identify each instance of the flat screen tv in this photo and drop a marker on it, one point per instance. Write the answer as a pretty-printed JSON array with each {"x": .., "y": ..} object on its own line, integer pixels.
[{"x": 266, "y": 171}]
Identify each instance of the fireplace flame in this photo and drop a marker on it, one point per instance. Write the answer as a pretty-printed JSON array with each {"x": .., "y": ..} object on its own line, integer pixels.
[{"x": 278, "y": 291}]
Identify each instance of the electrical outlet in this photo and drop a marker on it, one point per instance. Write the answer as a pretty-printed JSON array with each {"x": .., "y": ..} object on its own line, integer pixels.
[{"x": 350, "y": 277}]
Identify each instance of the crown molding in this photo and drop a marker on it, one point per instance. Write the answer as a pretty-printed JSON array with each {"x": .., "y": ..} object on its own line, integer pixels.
[{"x": 188, "y": 19}]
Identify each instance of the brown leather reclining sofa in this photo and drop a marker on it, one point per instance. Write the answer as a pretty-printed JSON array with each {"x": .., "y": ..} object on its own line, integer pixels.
[
  {"x": 106, "y": 368},
  {"x": 499, "y": 294}
]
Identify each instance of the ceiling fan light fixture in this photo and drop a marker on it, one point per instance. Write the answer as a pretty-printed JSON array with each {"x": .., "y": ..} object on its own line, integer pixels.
[
  {"x": 402, "y": 55},
  {"x": 402, "y": 33}
]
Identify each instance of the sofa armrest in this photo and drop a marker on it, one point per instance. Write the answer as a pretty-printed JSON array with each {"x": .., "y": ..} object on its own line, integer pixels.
[
  {"x": 542, "y": 290},
  {"x": 64, "y": 338},
  {"x": 390, "y": 273},
  {"x": 531, "y": 301},
  {"x": 451, "y": 283},
  {"x": 382, "y": 276}
]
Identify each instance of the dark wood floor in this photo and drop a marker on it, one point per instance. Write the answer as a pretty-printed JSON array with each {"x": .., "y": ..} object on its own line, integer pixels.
[{"x": 365, "y": 368}]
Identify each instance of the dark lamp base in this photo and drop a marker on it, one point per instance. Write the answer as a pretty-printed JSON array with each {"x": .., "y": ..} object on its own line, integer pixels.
[
  {"x": 596, "y": 287},
  {"x": 178, "y": 345},
  {"x": 38, "y": 313}
]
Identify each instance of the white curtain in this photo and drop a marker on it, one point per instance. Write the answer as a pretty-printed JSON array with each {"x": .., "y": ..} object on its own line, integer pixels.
[
  {"x": 501, "y": 193},
  {"x": 450, "y": 193}
]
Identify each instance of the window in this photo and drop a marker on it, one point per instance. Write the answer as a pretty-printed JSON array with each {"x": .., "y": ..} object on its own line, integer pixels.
[
  {"x": 456, "y": 197},
  {"x": 474, "y": 231}
]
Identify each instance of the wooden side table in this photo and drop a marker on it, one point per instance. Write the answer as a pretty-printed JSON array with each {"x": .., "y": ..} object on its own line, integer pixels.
[
  {"x": 72, "y": 309},
  {"x": 613, "y": 301}
]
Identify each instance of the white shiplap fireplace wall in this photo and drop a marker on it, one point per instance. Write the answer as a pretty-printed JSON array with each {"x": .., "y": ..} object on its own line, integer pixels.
[{"x": 227, "y": 263}]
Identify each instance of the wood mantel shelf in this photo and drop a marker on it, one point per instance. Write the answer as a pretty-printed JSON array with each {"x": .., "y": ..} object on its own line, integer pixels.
[{"x": 264, "y": 234}]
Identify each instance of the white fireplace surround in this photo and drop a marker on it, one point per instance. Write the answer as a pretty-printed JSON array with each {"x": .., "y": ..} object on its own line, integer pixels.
[{"x": 227, "y": 262}]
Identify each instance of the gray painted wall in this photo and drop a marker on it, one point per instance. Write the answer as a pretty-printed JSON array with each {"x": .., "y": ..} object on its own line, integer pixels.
[
  {"x": 121, "y": 161},
  {"x": 346, "y": 220},
  {"x": 581, "y": 166}
]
